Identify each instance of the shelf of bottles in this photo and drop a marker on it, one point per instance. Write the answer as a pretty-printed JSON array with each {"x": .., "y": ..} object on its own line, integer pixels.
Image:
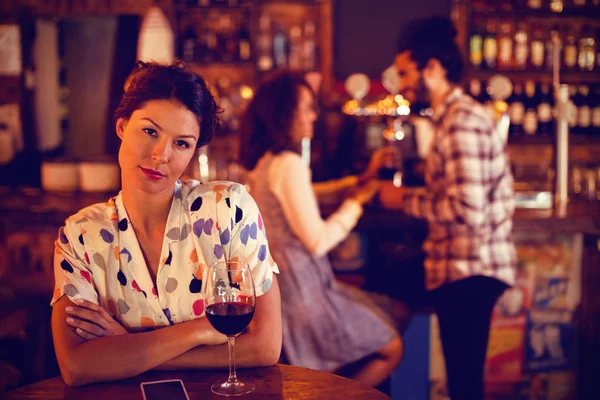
[
  {"x": 234, "y": 43},
  {"x": 246, "y": 31},
  {"x": 514, "y": 39}
]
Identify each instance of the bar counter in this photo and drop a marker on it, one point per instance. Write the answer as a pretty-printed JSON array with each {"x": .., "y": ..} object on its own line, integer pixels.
[
  {"x": 30, "y": 218},
  {"x": 52, "y": 208}
]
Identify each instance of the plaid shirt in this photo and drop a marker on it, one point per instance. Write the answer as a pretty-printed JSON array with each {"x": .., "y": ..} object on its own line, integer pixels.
[{"x": 469, "y": 200}]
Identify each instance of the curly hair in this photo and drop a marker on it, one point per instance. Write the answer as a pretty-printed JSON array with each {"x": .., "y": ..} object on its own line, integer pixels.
[
  {"x": 429, "y": 38},
  {"x": 267, "y": 121}
]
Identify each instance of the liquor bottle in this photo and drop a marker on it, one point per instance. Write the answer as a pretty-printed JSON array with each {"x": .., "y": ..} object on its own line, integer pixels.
[
  {"x": 506, "y": 5},
  {"x": 530, "y": 121},
  {"x": 295, "y": 56},
  {"x": 478, "y": 90},
  {"x": 505, "y": 46},
  {"x": 476, "y": 45},
  {"x": 550, "y": 48},
  {"x": 521, "y": 47},
  {"x": 244, "y": 45},
  {"x": 537, "y": 48},
  {"x": 544, "y": 110},
  {"x": 584, "y": 112},
  {"x": 587, "y": 50},
  {"x": 280, "y": 47},
  {"x": 556, "y": 6},
  {"x": 309, "y": 47},
  {"x": 516, "y": 111},
  {"x": 597, "y": 48},
  {"x": 573, "y": 118},
  {"x": 265, "y": 45},
  {"x": 228, "y": 48},
  {"x": 534, "y": 4},
  {"x": 475, "y": 89},
  {"x": 579, "y": 4},
  {"x": 189, "y": 41},
  {"x": 595, "y": 106},
  {"x": 490, "y": 45},
  {"x": 570, "y": 51}
]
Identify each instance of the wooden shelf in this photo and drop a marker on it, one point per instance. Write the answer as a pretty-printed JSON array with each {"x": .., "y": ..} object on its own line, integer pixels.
[
  {"x": 591, "y": 14},
  {"x": 574, "y": 140},
  {"x": 221, "y": 8},
  {"x": 579, "y": 77}
]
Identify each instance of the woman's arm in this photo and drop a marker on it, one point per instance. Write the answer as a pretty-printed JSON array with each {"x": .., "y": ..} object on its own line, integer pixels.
[
  {"x": 289, "y": 180},
  {"x": 333, "y": 186},
  {"x": 122, "y": 356},
  {"x": 259, "y": 345}
]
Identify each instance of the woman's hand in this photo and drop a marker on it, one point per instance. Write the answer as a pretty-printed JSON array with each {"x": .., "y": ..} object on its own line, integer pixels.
[
  {"x": 208, "y": 334},
  {"x": 92, "y": 321},
  {"x": 365, "y": 193},
  {"x": 378, "y": 158}
]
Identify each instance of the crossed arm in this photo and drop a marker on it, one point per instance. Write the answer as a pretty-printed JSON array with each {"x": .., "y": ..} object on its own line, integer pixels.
[{"x": 92, "y": 347}]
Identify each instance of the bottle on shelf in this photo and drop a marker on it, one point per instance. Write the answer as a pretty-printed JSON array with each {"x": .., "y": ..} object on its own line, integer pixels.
[
  {"x": 537, "y": 48},
  {"x": 280, "y": 47},
  {"x": 579, "y": 4},
  {"x": 475, "y": 90},
  {"x": 573, "y": 118},
  {"x": 506, "y": 5},
  {"x": 309, "y": 47},
  {"x": 534, "y": 4},
  {"x": 570, "y": 49},
  {"x": 521, "y": 46},
  {"x": 550, "y": 47},
  {"x": 476, "y": 45},
  {"x": 244, "y": 44},
  {"x": 544, "y": 110},
  {"x": 587, "y": 49},
  {"x": 556, "y": 6},
  {"x": 295, "y": 48},
  {"x": 595, "y": 107},
  {"x": 209, "y": 46},
  {"x": 530, "y": 120},
  {"x": 265, "y": 44},
  {"x": 505, "y": 46},
  {"x": 228, "y": 48},
  {"x": 189, "y": 43},
  {"x": 516, "y": 111},
  {"x": 584, "y": 112},
  {"x": 597, "y": 49},
  {"x": 490, "y": 45}
]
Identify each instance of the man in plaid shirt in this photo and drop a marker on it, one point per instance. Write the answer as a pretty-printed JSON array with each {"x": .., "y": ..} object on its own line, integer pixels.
[{"x": 469, "y": 256}]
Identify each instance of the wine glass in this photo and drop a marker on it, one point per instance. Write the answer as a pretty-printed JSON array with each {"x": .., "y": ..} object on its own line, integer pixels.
[{"x": 230, "y": 300}]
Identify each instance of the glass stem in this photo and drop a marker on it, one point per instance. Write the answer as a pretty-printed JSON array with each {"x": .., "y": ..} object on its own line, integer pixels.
[{"x": 232, "y": 376}]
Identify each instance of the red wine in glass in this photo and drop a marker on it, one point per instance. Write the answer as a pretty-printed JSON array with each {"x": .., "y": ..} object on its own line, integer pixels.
[{"x": 230, "y": 318}]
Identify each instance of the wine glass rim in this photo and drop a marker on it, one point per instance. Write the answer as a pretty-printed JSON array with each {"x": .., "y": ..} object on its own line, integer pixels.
[{"x": 226, "y": 265}]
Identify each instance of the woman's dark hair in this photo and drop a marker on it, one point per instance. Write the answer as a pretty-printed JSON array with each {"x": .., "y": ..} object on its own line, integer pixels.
[
  {"x": 429, "y": 38},
  {"x": 267, "y": 121},
  {"x": 153, "y": 81}
]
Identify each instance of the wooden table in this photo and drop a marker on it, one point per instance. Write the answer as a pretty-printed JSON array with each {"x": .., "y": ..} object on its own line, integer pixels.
[{"x": 276, "y": 382}]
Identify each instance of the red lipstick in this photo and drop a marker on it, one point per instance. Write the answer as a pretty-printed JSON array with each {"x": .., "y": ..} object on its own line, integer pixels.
[{"x": 152, "y": 174}]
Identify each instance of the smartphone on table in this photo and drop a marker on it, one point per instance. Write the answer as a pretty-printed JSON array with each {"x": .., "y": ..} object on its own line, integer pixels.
[{"x": 171, "y": 389}]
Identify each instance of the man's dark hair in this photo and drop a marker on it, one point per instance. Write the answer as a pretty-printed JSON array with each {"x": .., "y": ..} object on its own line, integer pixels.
[
  {"x": 267, "y": 122},
  {"x": 429, "y": 38},
  {"x": 153, "y": 81}
]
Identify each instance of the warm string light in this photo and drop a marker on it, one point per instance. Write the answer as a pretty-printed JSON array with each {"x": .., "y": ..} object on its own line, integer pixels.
[{"x": 391, "y": 106}]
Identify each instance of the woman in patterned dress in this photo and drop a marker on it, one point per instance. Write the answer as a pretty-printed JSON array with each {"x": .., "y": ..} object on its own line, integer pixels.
[
  {"x": 326, "y": 325},
  {"x": 129, "y": 272}
]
